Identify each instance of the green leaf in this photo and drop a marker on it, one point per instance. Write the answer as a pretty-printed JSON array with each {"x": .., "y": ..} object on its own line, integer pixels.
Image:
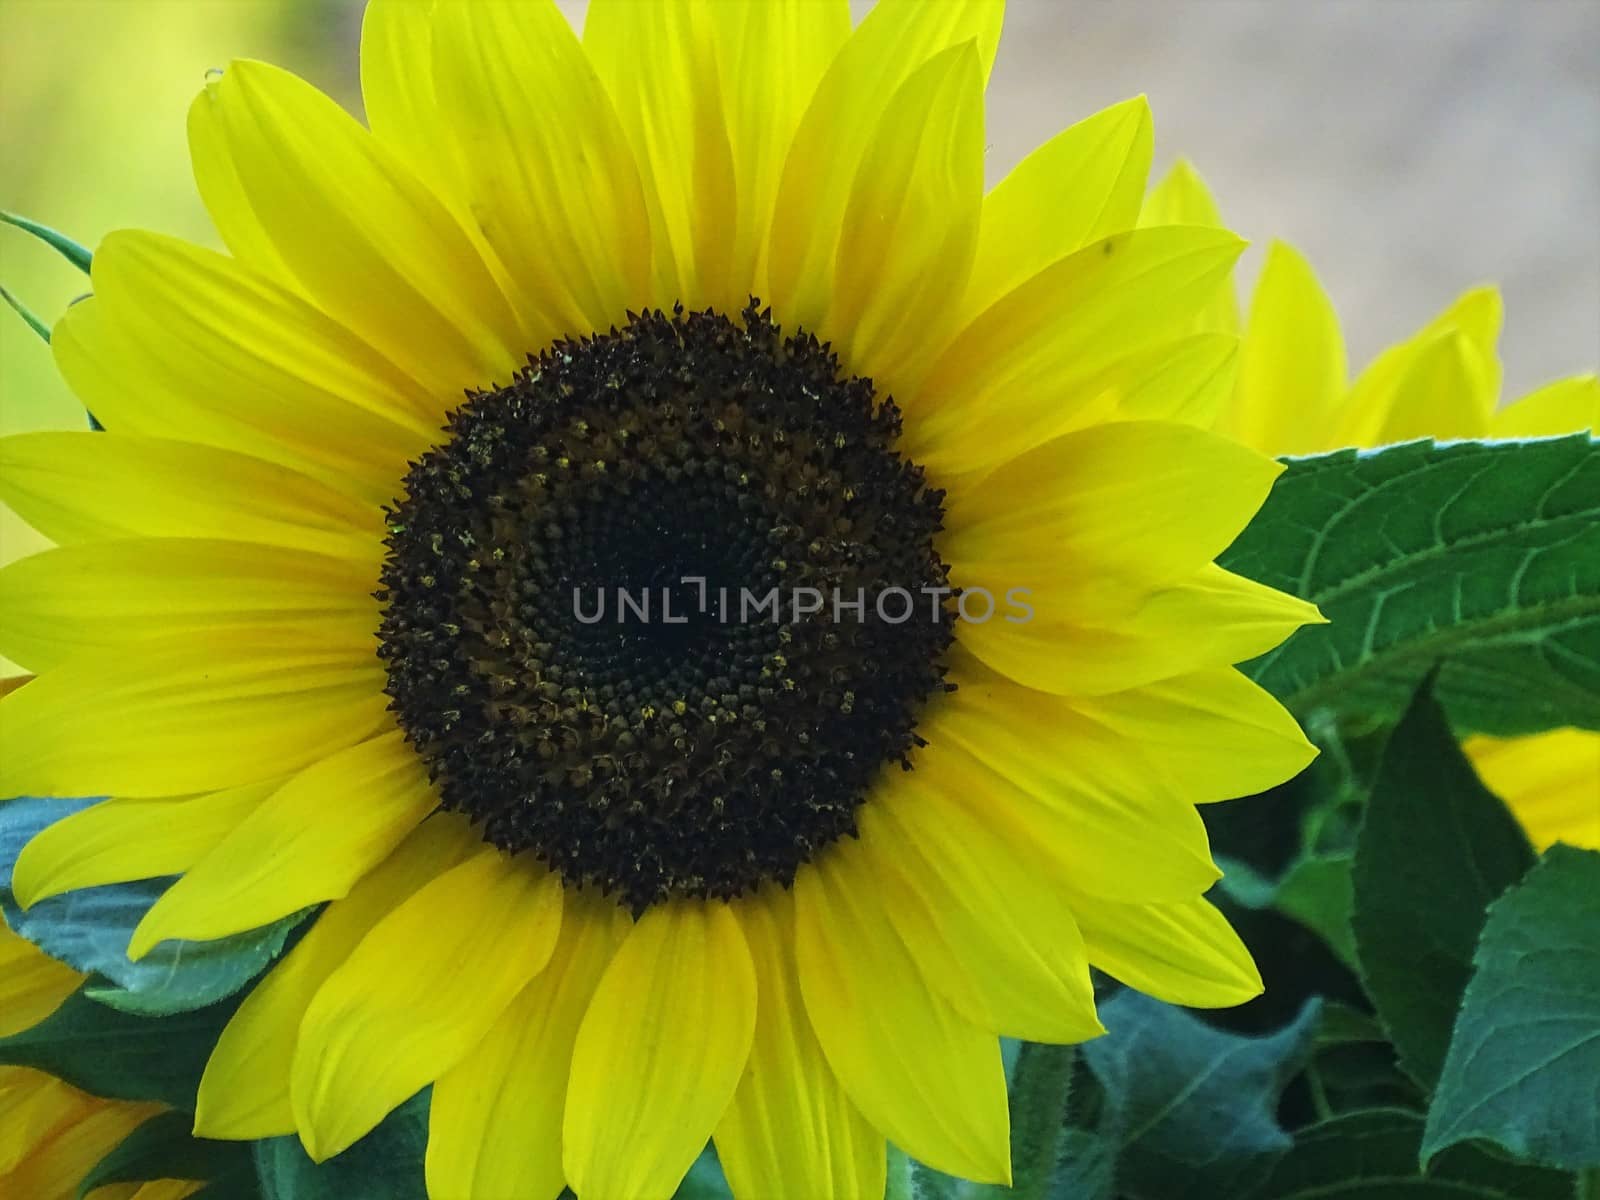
[
  {"x": 1435, "y": 849},
  {"x": 164, "y": 1148},
  {"x": 1318, "y": 893},
  {"x": 1372, "y": 1155},
  {"x": 1482, "y": 555},
  {"x": 387, "y": 1164},
  {"x": 75, "y": 253},
  {"x": 1192, "y": 1108},
  {"x": 89, "y": 931},
  {"x": 120, "y": 1056},
  {"x": 1524, "y": 1064}
]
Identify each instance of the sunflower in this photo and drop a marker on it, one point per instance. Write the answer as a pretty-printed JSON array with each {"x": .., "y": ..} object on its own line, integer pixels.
[
  {"x": 1442, "y": 382},
  {"x": 51, "y": 1133},
  {"x": 616, "y": 886}
]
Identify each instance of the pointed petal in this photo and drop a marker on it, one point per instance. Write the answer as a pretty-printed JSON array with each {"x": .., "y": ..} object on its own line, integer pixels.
[
  {"x": 931, "y": 1080},
  {"x": 366, "y": 240},
  {"x": 659, "y": 65},
  {"x": 1109, "y": 639},
  {"x": 495, "y": 1123},
  {"x": 1012, "y": 932},
  {"x": 1292, "y": 364},
  {"x": 791, "y": 1126},
  {"x": 122, "y": 840},
  {"x": 419, "y": 993},
  {"x": 1014, "y": 378},
  {"x": 292, "y": 851},
  {"x": 1182, "y": 198},
  {"x": 1084, "y": 184},
  {"x": 80, "y": 487},
  {"x": 660, "y": 1051},
  {"x": 105, "y": 595},
  {"x": 1566, "y": 406},
  {"x": 559, "y": 200},
  {"x": 161, "y": 717},
  {"x": 1182, "y": 953},
  {"x": 1149, "y": 500},
  {"x": 896, "y": 38},
  {"x": 32, "y": 986},
  {"x": 244, "y": 1093},
  {"x": 910, "y": 225}
]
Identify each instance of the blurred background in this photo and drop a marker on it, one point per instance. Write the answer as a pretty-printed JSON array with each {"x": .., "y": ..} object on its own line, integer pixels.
[{"x": 1410, "y": 147}]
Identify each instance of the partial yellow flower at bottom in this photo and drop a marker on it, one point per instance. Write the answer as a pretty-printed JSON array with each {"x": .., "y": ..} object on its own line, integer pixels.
[
  {"x": 1551, "y": 781},
  {"x": 51, "y": 1134},
  {"x": 1292, "y": 395}
]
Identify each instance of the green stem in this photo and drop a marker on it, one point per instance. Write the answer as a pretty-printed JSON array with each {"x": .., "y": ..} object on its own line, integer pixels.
[{"x": 23, "y": 311}]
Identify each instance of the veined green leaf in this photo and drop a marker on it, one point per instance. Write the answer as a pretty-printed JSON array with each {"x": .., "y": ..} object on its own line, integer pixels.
[
  {"x": 1436, "y": 848},
  {"x": 1482, "y": 556},
  {"x": 1524, "y": 1063}
]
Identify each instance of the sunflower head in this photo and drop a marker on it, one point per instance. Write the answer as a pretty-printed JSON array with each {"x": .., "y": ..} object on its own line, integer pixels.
[{"x": 701, "y": 716}]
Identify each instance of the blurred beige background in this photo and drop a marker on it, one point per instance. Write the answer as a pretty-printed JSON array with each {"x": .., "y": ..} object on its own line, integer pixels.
[{"x": 1411, "y": 147}]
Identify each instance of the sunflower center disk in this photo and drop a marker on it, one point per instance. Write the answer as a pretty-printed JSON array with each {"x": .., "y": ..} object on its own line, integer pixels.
[{"x": 663, "y": 608}]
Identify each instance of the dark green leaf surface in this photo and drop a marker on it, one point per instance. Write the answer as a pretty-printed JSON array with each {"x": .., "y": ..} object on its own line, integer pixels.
[
  {"x": 1482, "y": 555},
  {"x": 118, "y": 1055},
  {"x": 1318, "y": 893},
  {"x": 164, "y": 1148},
  {"x": 89, "y": 931},
  {"x": 1436, "y": 848},
  {"x": 1191, "y": 1108},
  {"x": 1524, "y": 1064},
  {"x": 387, "y": 1164},
  {"x": 1372, "y": 1155}
]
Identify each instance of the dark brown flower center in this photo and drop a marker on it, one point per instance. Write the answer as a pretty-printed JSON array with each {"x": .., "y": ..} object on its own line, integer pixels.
[{"x": 663, "y": 608}]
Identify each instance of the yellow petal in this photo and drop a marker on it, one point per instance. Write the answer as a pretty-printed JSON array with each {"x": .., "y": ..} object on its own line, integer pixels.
[
  {"x": 1108, "y": 639},
  {"x": 791, "y": 1127},
  {"x": 1084, "y": 184},
  {"x": 495, "y": 1124},
  {"x": 163, "y": 716},
  {"x": 54, "y": 1169},
  {"x": 419, "y": 992},
  {"x": 33, "y": 1108},
  {"x": 368, "y": 241},
  {"x": 1474, "y": 318},
  {"x": 1012, "y": 379},
  {"x": 244, "y": 1093},
  {"x": 772, "y": 55},
  {"x": 1184, "y": 953},
  {"x": 660, "y": 1051},
  {"x": 397, "y": 87},
  {"x": 1566, "y": 406},
  {"x": 1445, "y": 393},
  {"x": 659, "y": 65},
  {"x": 911, "y": 223},
  {"x": 104, "y": 595},
  {"x": 79, "y": 487},
  {"x": 225, "y": 199},
  {"x": 291, "y": 851},
  {"x": 1214, "y": 734},
  {"x": 1010, "y": 929},
  {"x": 1292, "y": 364},
  {"x": 1150, "y": 500},
  {"x": 896, "y": 38},
  {"x": 32, "y": 985},
  {"x": 121, "y": 840},
  {"x": 1045, "y": 778},
  {"x": 930, "y": 1079},
  {"x": 1187, "y": 379},
  {"x": 1550, "y": 781},
  {"x": 1182, "y": 198},
  {"x": 205, "y": 350},
  {"x": 559, "y": 200}
]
